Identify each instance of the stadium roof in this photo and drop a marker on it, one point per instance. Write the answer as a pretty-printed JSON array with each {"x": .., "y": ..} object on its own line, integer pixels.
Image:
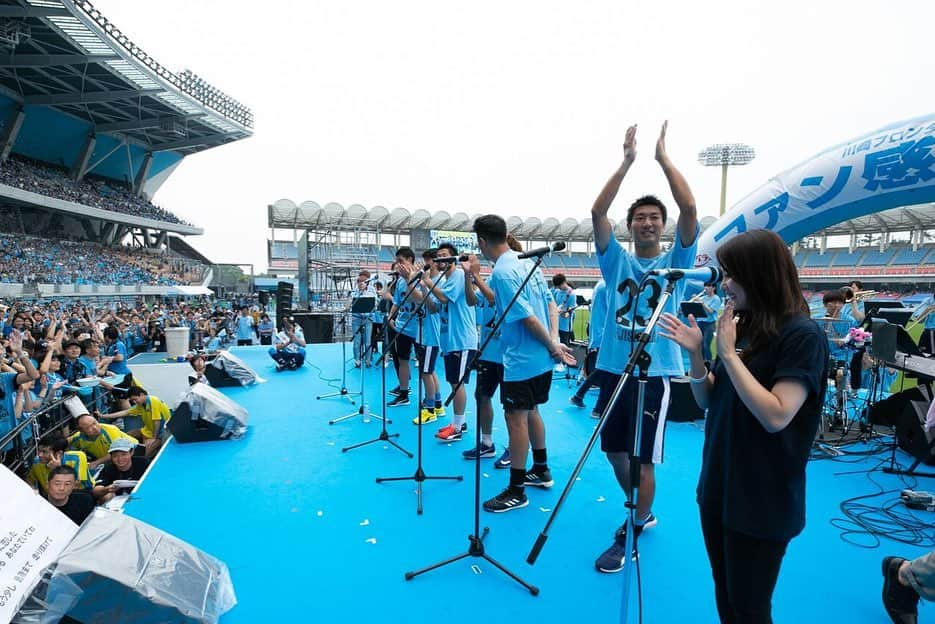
[
  {"x": 285, "y": 214},
  {"x": 920, "y": 217},
  {"x": 65, "y": 55}
]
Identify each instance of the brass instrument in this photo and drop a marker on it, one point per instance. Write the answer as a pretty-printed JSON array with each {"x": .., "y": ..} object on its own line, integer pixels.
[{"x": 850, "y": 295}]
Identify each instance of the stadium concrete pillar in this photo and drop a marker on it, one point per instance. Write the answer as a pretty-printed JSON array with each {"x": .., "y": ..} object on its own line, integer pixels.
[
  {"x": 852, "y": 245},
  {"x": 161, "y": 239},
  {"x": 140, "y": 180},
  {"x": 80, "y": 166},
  {"x": 10, "y": 131}
]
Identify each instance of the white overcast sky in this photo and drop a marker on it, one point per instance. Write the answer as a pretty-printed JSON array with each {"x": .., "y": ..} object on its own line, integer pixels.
[{"x": 518, "y": 107}]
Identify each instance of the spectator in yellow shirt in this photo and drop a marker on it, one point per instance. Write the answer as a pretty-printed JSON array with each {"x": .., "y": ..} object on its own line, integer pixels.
[
  {"x": 154, "y": 413},
  {"x": 95, "y": 439}
]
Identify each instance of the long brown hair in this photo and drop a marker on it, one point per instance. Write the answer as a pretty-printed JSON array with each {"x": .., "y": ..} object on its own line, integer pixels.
[{"x": 760, "y": 262}]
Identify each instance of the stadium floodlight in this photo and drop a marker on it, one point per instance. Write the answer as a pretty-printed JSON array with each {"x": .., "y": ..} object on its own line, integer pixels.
[{"x": 726, "y": 155}]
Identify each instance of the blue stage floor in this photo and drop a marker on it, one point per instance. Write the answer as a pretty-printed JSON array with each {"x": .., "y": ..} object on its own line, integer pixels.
[{"x": 309, "y": 536}]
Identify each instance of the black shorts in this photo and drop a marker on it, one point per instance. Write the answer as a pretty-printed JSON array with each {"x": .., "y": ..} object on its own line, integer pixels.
[
  {"x": 456, "y": 365},
  {"x": 617, "y": 435},
  {"x": 403, "y": 349},
  {"x": 427, "y": 357},
  {"x": 526, "y": 394},
  {"x": 489, "y": 378}
]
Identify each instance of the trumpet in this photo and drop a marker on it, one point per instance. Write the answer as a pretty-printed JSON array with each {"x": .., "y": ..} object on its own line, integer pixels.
[{"x": 850, "y": 295}]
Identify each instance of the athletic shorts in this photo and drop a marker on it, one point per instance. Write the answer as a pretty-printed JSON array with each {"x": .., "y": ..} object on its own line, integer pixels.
[
  {"x": 617, "y": 435},
  {"x": 427, "y": 356},
  {"x": 489, "y": 378},
  {"x": 121, "y": 390},
  {"x": 526, "y": 394},
  {"x": 404, "y": 344},
  {"x": 456, "y": 365}
]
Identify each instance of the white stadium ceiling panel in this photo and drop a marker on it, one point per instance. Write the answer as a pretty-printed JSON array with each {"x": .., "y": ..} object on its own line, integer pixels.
[{"x": 309, "y": 215}]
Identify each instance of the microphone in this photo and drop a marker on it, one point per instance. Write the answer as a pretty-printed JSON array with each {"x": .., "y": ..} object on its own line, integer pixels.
[
  {"x": 541, "y": 251},
  {"x": 445, "y": 259},
  {"x": 708, "y": 275},
  {"x": 416, "y": 276}
]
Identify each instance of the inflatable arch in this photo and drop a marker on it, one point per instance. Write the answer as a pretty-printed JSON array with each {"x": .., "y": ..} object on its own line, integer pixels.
[{"x": 888, "y": 168}]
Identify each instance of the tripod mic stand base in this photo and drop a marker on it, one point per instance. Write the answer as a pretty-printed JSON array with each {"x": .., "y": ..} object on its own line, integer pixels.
[
  {"x": 343, "y": 393},
  {"x": 419, "y": 477},
  {"x": 384, "y": 437},
  {"x": 476, "y": 549},
  {"x": 363, "y": 412}
]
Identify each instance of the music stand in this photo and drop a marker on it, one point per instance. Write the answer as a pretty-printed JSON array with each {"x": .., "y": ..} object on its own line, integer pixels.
[
  {"x": 896, "y": 316},
  {"x": 361, "y": 305},
  {"x": 873, "y": 307},
  {"x": 694, "y": 308}
]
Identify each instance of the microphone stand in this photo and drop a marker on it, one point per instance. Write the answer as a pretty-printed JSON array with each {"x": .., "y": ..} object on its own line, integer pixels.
[
  {"x": 362, "y": 410},
  {"x": 420, "y": 475},
  {"x": 343, "y": 392},
  {"x": 638, "y": 357},
  {"x": 476, "y": 546},
  {"x": 384, "y": 435}
]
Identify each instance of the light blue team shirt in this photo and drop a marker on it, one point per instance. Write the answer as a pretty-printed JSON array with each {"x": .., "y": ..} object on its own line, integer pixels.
[
  {"x": 598, "y": 312},
  {"x": 292, "y": 347},
  {"x": 117, "y": 368},
  {"x": 430, "y": 323},
  {"x": 462, "y": 322},
  {"x": 623, "y": 272},
  {"x": 837, "y": 329},
  {"x": 524, "y": 357},
  {"x": 7, "y": 420},
  {"x": 245, "y": 327},
  {"x": 486, "y": 317},
  {"x": 714, "y": 302},
  {"x": 403, "y": 323},
  {"x": 564, "y": 298}
]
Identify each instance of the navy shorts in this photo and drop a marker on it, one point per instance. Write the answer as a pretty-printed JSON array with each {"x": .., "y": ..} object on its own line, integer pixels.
[
  {"x": 456, "y": 365},
  {"x": 427, "y": 356},
  {"x": 617, "y": 435}
]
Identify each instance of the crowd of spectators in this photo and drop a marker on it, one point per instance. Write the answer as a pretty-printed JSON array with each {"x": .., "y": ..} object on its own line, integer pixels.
[
  {"x": 31, "y": 260},
  {"x": 89, "y": 438},
  {"x": 30, "y": 175}
]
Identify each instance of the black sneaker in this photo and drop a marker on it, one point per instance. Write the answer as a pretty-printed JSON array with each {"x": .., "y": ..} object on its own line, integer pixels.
[
  {"x": 612, "y": 559},
  {"x": 900, "y": 601},
  {"x": 507, "y": 500},
  {"x": 396, "y": 391},
  {"x": 576, "y": 400},
  {"x": 539, "y": 478},
  {"x": 400, "y": 400},
  {"x": 485, "y": 452}
]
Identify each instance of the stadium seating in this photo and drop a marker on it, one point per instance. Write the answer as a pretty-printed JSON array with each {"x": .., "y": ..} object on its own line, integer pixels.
[
  {"x": 45, "y": 179},
  {"x": 31, "y": 260}
]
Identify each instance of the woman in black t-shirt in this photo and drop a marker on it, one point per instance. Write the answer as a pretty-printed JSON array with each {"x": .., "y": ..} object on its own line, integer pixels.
[{"x": 763, "y": 396}]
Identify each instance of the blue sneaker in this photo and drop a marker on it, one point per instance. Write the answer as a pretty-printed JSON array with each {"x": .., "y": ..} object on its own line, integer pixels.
[
  {"x": 504, "y": 461},
  {"x": 485, "y": 452}
]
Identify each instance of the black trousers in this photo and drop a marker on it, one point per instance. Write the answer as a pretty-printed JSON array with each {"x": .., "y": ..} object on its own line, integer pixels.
[
  {"x": 745, "y": 570},
  {"x": 857, "y": 367}
]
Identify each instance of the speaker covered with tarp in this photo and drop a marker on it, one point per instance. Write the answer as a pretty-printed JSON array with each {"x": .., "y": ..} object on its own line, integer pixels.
[
  {"x": 204, "y": 414},
  {"x": 118, "y": 569},
  {"x": 227, "y": 369}
]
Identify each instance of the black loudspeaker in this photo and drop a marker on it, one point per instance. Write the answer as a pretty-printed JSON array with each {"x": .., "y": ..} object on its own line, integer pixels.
[
  {"x": 263, "y": 297},
  {"x": 317, "y": 327},
  {"x": 186, "y": 430},
  {"x": 910, "y": 428},
  {"x": 219, "y": 379},
  {"x": 284, "y": 292},
  {"x": 682, "y": 405}
]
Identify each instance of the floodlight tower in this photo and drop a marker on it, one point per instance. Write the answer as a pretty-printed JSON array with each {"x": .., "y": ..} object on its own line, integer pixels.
[{"x": 726, "y": 155}]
